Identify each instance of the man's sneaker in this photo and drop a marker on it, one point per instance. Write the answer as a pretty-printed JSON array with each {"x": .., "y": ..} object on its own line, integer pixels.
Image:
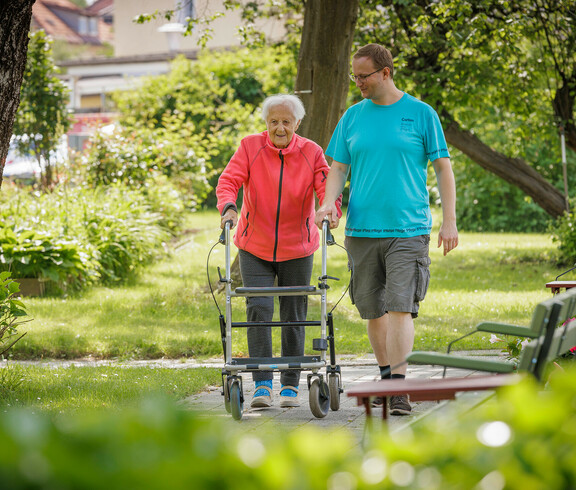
[
  {"x": 399, "y": 405},
  {"x": 289, "y": 396},
  {"x": 262, "y": 395}
]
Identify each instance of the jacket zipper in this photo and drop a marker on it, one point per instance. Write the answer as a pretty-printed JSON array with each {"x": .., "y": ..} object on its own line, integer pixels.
[
  {"x": 308, "y": 228},
  {"x": 278, "y": 208},
  {"x": 245, "y": 232}
]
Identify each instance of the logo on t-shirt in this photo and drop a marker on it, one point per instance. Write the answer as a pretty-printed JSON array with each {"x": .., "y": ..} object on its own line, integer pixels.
[{"x": 406, "y": 124}]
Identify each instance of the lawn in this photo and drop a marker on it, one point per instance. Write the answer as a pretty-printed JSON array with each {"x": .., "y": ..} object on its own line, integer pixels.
[
  {"x": 168, "y": 311},
  {"x": 77, "y": 389}
]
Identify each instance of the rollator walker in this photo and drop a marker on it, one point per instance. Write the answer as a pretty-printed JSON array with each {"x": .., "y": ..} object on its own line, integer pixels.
[{"x": 324, "y": 390}]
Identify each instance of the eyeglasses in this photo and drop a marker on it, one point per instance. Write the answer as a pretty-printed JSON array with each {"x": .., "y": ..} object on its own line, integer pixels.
[{"x": 362, "y": 78}]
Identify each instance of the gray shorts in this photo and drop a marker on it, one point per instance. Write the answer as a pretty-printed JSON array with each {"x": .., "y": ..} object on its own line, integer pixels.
[{"x": 390, "y": 274}]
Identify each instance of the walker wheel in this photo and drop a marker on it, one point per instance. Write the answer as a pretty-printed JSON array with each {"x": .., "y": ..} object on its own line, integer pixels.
[
  {"x": 334, "y": 389},
  {"x": 319, "y": 398},
  {"x": 236, "y": 404},
  {"x": 225, "y": 387}
]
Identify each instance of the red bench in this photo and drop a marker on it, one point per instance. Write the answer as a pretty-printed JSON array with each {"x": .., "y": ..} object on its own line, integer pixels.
[
  {"x": 429, "y": 389},
  {"x": 556, "y": 286}
]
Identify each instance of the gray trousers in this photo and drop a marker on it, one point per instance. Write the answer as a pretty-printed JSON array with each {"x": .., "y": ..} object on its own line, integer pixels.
[{"x": 261, "y": 273}]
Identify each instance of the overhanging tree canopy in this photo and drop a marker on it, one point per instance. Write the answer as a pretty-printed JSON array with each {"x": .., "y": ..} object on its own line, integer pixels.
[{"x": 484, "y": 65}]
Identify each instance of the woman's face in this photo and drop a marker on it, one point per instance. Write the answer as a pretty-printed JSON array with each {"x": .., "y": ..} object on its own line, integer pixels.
[{"x": 281, "y": 125}]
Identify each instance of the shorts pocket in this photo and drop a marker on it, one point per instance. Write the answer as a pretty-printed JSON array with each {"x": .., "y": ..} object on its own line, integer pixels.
[
  {"x": 423, "y": 277},
  {"x": 351, "y": 289}
]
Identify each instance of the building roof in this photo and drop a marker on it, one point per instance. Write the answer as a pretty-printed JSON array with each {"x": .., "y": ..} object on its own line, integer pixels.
[
  {"x": 45, "y": 15},
  {"x": 101, "y": 7},
  {"x": 63, "y": 4},
  {"x": 44, "y": 18},
  {"x": 121, "y": 60}
]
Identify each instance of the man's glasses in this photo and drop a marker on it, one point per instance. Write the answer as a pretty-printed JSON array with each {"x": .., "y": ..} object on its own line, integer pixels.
[{"x": 361, "y": 78}]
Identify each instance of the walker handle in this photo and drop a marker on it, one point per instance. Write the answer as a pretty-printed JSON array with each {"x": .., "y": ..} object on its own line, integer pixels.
[
  {"x": 222, "y": 238},
  {"x": 329, "y": 237}
]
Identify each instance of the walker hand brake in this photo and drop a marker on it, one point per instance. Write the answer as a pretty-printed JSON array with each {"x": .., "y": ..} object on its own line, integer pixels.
[
  {"x": 329, "y": 237},
  {"x": 222, "y": 238}
]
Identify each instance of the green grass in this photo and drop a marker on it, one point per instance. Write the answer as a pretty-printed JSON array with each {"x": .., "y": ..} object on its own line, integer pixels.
[
  {"x": 168, "y": 310},
  {"x": 70, "y": 389}
]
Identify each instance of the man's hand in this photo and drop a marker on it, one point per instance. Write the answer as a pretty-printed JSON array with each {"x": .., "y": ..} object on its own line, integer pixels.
[
  {"x": 329, "y": 212},
  {"x": 229, "y": 215},
  {"x": 448, "y": 235}
]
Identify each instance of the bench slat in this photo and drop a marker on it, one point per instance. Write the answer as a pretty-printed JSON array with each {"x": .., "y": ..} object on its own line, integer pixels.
[
  {"x": 427, "y": 389},
  {"x": 461, "y": 362}
]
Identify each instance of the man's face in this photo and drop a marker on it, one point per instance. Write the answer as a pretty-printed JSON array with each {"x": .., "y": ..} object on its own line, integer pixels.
[
  {"x": 368, "y": 85},
  {"x": 281, "y": 125}
]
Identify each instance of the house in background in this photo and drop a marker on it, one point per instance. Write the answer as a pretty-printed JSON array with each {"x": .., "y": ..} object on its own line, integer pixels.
[
  {"x": 104, "y": 10},
  {"x": 166, "y": 36},
  {"x": 142, "y": 50},
  {"x": 77, "y": 32}
]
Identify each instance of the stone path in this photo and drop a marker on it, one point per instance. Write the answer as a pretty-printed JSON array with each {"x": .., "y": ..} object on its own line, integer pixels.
[
  {"x": 210, "y": 403},
  {"x": 349, "y": 416}
]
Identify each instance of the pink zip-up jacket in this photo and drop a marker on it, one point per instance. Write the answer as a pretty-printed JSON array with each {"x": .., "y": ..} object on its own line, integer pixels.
[{"x": 276, "y": 222}]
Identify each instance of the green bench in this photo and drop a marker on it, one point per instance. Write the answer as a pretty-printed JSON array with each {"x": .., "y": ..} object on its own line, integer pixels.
[
  {"x": 547, "y": 315},
  {"x": 548, "y": 342}
]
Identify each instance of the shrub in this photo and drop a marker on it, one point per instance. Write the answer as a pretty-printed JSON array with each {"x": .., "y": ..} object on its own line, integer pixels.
[
  {"x": 144, "y": 157},
  {"x": 488, "y": 203},
  {"x": 482, "y": 197},
  {"x": 564, "y": 232},
  {"x": 77, "y": 236},
  {"x": 35, "y": 254},
  {"x": 118, "y": 158},
  {"x": 123, "y": 230},
  {"x": 12, "y": 312},
  {"x": 522, "y": 440},
  {"x": 198, "y": 112},
  {"x": 164, "y": 199}
]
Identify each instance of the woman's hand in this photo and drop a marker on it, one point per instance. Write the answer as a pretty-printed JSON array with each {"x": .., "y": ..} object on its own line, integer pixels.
[{"x": 229, "y": 215}]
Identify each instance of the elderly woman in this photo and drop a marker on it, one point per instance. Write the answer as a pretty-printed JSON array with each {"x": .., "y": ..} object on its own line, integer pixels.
[{"x": 276, "y": 237}]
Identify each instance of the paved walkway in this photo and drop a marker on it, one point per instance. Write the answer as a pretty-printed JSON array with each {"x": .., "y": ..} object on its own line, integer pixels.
[{"x": 349, "y": 416}]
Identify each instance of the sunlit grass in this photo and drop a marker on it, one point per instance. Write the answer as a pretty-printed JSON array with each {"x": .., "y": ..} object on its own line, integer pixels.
[
  {"x": 69, "y": 389},
  {"x": 168, "y": 310}
]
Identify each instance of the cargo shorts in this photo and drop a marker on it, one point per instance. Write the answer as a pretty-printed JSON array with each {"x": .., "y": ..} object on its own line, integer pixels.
[{"x": 388, "y": 274}]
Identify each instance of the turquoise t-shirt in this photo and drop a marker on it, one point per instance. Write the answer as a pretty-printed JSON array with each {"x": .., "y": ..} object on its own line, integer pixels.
[{"x": 388, "y": 148}]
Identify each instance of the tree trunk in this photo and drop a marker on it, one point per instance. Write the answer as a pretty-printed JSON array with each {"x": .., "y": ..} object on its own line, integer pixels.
[
  {"x": 563, "y": 105},
  {"x": 323, "y": 65},
  {"x": 15, "y": 16},
  {"x": 513, "y": 170}
]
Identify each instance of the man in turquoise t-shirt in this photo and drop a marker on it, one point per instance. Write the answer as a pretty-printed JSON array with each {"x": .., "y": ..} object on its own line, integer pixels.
[{"x": 386, "y": 142}]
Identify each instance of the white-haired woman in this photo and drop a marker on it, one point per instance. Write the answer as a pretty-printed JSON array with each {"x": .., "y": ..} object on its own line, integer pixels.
[{"x": 276, "y": 236}]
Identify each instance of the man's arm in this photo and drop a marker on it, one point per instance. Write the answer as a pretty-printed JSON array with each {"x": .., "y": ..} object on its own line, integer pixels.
[
  {"x": 335, "y": 183},
  {"x": 448, "y": 234}
]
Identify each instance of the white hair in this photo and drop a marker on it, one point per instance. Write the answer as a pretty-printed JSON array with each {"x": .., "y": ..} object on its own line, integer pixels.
[{"x": 291, "y": 101}]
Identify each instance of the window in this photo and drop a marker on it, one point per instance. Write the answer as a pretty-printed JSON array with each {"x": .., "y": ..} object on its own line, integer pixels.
[
  {"x": 83, "y": 25},
  {"x": 93, "y": 26},
  {"x": 185, "y": 9}
]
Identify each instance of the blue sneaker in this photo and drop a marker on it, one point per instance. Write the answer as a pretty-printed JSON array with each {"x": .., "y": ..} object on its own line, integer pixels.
[
  {"x": 289, "y": 396},
  {"x": 262, "y": 394}
]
